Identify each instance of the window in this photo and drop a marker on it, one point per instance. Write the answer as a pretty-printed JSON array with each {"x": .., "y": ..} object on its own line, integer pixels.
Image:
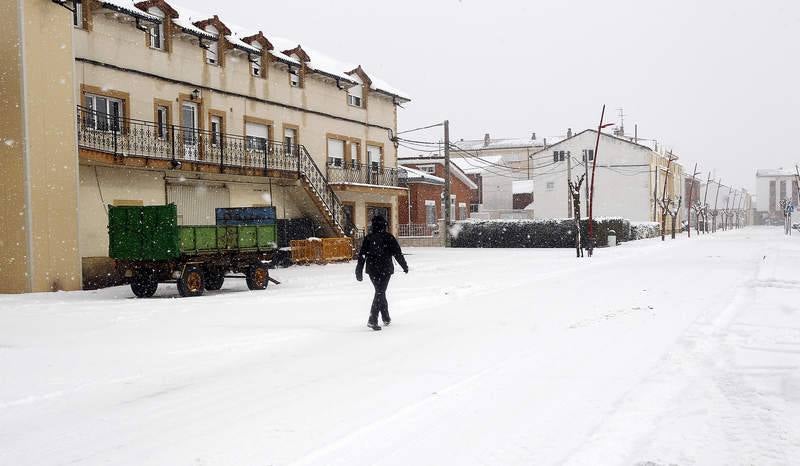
[
  {"x": 211, "y": 53},
  {"x": 354, "y": 96},
  {"x": 374, "y": 156},
  {"x": 551, "y": 185},
  {"x": 162, "y": 120},
  {"x": 77, "y": 13},
  {"x": 462, "y": 211},
  {"x": 255, "y": 66},
  {"x": 773, "y": 202},
  {"x": 428, "y": 169},
  {"x": 559, "y": 155},
  {"x": 156, "y": 36},
  {"x": 256, "y": 136},
  {"x": 782, "y": 190},
  {"x": 294, "y": 77},
  {"x": 588, "y": 155},
  {"x": 105, "y": 112},
  {"x": 430, "y": 212},
  {"x": 216, "y": 130},
  {"x": 355, "y": 154},
  {"x": 335, "y": 152}
]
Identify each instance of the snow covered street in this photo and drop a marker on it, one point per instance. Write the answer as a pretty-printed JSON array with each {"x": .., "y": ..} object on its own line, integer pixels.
[{"x": 683, "y": 352}]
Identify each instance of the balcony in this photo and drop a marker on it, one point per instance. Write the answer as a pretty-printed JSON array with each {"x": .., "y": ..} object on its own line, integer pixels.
[
  {"x": 341, "y": 172},
  {"x": 127, "y": 137}
]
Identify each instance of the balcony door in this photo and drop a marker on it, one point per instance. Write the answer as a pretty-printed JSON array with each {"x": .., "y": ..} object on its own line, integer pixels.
[
  {"x": 189, "y": 119},
  {"x": 104, "y": 112},
  {"x": 374, "y": 161}
]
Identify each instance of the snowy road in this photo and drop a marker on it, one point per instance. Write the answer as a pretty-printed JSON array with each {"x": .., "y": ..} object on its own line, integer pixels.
[{"x": 683, "y": 353}]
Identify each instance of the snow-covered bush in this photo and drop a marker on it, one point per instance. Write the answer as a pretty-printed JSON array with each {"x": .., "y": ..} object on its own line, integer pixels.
[
  {"x": 538, "y": 233},
  {"x": 644, "y": 230}
]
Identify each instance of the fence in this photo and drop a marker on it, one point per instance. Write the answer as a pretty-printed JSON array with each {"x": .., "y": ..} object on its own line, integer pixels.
[
  {"x": 418, "y": 230},
  {"x": 316, "y": 250}
]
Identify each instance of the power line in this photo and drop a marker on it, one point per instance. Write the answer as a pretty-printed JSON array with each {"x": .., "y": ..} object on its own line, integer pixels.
[{"x": 420, "y": 129}]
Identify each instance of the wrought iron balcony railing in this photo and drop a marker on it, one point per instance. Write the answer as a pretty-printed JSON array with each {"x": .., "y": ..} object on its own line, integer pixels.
[
  {"x": 343, "y": 172},
  {"x": 129, "y": 137},
  {"x": 122, "y": 136}
]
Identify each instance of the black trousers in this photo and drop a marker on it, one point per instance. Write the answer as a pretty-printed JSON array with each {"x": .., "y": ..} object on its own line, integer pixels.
[{"x": 379, "y": 303}]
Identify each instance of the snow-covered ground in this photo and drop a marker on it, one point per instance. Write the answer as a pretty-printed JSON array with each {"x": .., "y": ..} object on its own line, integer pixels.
[{"x": 684, "y": 352}]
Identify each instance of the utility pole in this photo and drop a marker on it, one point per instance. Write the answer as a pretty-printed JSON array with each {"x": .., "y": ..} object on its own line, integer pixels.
[
  {"x": 714, "y": 214},
  {"x": 586, "y": 178},
  {"x": 591, "y": 238},
  {"x": 447, "y": 183},
  {"x": 664, "y": 200},
  {"x": 689, "y": 204},
  {"x": 705, "y": 209},
  {"x": 655, "y": 198},
  {"x": 569, "y": 180},
  {"x": 727, "y": 201},
  {"x": 528, "y": 151}
]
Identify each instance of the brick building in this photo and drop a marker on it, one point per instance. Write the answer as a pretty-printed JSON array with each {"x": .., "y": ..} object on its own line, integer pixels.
[{"x": 425, "y": 182}]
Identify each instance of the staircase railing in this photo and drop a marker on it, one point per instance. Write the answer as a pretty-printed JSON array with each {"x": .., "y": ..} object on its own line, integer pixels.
[{"x": 319, "y": 184}]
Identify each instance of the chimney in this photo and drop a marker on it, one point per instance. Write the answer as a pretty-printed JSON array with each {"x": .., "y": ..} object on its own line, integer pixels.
[
  {"x": 569, "y": 132},
  {"x": 486, "y": 139},
  {"x": 533, "y": 136},
  {"x": 545, "y": 143}
]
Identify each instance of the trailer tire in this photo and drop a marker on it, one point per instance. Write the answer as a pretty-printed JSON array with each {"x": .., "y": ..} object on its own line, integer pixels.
[
  {"x": 257, "y": 277},
  {"x": 192, "y": 282},
  {"x": 144, "y": 285},
  {"x": 214, "y": 279}
]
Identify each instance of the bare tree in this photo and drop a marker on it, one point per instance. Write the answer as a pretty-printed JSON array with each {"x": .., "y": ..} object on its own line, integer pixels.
[
  {"x": 575, "y": 192},
  {"x": 673, "y": 208}
]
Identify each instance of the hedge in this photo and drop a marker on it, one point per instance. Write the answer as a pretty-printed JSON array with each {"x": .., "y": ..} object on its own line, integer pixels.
[
  {"x": 644, "y": 230},
  {"x": 540, "y": 233}
]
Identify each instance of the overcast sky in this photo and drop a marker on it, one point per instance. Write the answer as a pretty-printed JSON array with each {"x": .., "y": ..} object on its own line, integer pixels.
[{"x": 716, "y": 81}]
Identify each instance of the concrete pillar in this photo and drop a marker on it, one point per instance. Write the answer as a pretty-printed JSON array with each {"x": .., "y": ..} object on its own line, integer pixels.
[{"x": 38, "y": 150}]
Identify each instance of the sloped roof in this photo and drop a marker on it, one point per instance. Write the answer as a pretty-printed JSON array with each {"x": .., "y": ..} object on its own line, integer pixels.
[
  {"x": 454, "y": 168},
  {"x": 418, "y": 175},
  {"x": 775, "y": 172}
]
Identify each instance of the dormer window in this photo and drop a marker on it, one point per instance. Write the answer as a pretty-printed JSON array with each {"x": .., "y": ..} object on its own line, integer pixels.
[
  {"x": 212, "y": 53},
  {"x": 354, "y": 96},
  {"x": 256, "y": 61},
  {"x": 155, "y": 31},
  {"x": 77, "y": 13},
  {"x": 294, "y": 77}
]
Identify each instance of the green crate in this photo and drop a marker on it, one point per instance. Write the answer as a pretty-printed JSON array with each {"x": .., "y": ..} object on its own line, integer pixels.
[{"x": 143, "y": 232}]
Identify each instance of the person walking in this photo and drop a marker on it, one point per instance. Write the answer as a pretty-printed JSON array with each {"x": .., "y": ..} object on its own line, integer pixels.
[{"x": 376, "y": 252}]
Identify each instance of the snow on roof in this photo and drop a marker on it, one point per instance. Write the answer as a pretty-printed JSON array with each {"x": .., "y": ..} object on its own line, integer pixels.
[
  {"x": 127, "y": 6},
  {"x": 320, "y": 62},
  {"x": 505, "y": 143},
  {"x": 185, "y": 19},
  {"x": 414, "y": 174},
  {"x": 522, "y": 187},
  {"x": 473, "y": 165},
  {"x": 775, "y": 172},
  {"x": 454, "y": 168}
]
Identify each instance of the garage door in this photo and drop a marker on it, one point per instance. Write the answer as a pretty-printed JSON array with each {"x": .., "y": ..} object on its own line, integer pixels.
[{"x": 197, "y": 203}]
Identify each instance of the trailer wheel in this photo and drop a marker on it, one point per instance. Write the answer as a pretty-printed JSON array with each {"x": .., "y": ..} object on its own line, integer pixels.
[
  {"x": 257, "y": 277},
  {"x": 191, "y": 282},
  {"x": 144, "y": 285},
  {"x": 214, "y": 279}
]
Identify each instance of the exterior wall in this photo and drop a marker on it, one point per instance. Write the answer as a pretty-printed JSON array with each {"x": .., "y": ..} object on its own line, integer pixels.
[
  {"x": 415, "y": 202},
  {"x": 763, "y": 193},
  {"x": 120, "y": 56},
  {"x": 38, "y": 230},
  {"x": 624, "y": 192},
  {"x": 361, "y": 200},
  {"x": 522, "y": 200},
  {"x": 426, "y": 191}
]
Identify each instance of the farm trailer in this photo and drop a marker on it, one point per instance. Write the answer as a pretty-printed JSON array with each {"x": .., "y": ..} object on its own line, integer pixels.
[{"x": 149, "y": 247}]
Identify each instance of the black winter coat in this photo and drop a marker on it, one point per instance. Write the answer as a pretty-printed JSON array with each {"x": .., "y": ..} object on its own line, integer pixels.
[{"x": 377, "y": 252}]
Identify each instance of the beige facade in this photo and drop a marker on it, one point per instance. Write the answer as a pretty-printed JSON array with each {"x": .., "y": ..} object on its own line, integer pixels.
[
  {"x": 177, "y": 109},
  {"x": 39, "y": 169}
]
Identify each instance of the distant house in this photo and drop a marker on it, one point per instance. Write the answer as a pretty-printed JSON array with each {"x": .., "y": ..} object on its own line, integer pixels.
[
  {"x": 772, "y": 186},
  {"x": 630, "y": 177},
  {"x": 484, "y": 160},
  {"x": 425, "y": 178}
]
